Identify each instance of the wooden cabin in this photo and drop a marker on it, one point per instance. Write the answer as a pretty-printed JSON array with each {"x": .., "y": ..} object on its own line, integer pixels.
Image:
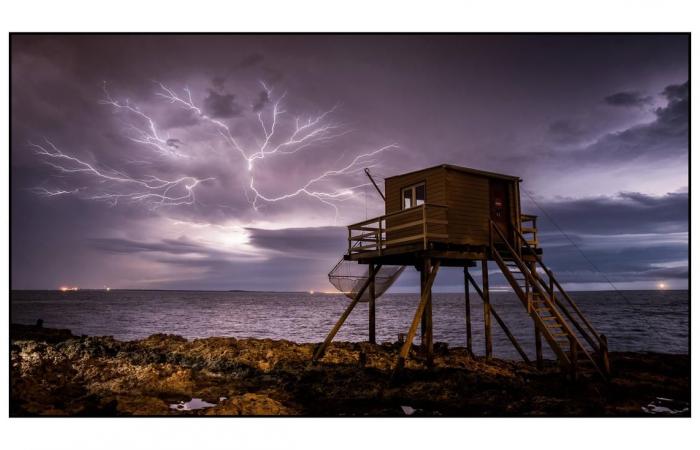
[
  {"x": 445, "y": 207},
  {"x": 456, "y": 216}
]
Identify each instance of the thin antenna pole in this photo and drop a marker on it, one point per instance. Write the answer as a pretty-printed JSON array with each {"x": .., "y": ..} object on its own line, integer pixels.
[{"x": 375, "y": 184}]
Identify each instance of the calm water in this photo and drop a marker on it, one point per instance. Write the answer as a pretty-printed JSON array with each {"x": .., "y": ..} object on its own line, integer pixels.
[{"x": 643, "y": 320}]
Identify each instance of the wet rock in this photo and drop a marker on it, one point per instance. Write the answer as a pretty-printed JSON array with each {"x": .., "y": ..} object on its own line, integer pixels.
[{"x": 54, "y": 372}]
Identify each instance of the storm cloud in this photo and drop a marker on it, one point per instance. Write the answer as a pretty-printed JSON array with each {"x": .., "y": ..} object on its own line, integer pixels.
[
  {"x": 177, "y": 192},
  {"x": 221, "y": 105},
  {"x": 627, "y": 99}
]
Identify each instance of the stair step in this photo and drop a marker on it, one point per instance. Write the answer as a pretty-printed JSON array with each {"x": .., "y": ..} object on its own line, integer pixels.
[
  {"x": 559, "y": 334},
  {"x": 549, "y": 318},
  {"x": 556, "y": 325}
]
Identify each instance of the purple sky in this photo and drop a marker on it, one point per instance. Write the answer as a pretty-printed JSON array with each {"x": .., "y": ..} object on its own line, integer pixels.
[{"x": 143, "y": 162}]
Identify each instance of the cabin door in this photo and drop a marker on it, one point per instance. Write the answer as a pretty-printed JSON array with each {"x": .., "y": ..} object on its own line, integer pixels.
[{"x": 500, "y": 208}]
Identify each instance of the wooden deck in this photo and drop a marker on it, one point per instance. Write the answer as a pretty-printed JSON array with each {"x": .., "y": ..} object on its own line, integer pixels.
[{"x": 409, "y": 236}]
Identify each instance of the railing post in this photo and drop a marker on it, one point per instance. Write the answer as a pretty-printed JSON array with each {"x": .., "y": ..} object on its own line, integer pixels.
[
  {"x": 349, "y": 241},
  {"x": 550, "y": 277},
  {"x": 425, "y": 229},
  {"x": 379, "y": 238}
]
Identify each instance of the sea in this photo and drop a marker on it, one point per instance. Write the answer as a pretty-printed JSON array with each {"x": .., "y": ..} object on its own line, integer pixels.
[{"x": 655, "y": 321}]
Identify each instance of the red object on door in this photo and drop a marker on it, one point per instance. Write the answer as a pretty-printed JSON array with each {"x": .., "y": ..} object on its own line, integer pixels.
[{"x": 500, "y": 207}]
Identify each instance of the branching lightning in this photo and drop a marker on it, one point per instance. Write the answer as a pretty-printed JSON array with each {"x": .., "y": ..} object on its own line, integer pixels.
[
  {"x": 151, "y": 190},
  {"x": 277, "y": 137}
]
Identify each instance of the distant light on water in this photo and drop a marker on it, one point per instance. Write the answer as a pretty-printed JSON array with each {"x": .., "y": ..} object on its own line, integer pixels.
[
  {"x": 661, "y": 285},
  {"x": 68, "y": 288},
  {"x": 311, "y": 292}
]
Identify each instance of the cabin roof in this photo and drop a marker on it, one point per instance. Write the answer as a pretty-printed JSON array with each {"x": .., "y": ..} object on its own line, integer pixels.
[{"x": 462, "y": 169}]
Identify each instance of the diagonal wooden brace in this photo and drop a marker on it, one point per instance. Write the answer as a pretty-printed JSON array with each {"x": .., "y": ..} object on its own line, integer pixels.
[
  {"x": 425, "y": 296},
  {"x": 321, "y": 350},
  {"x": 500, "y": 321}
]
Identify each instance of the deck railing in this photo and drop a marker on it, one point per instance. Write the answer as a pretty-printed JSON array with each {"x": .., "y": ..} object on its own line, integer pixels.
[
  {"x": 418, "y": 225},
  {"x": 528, "y": 228}
]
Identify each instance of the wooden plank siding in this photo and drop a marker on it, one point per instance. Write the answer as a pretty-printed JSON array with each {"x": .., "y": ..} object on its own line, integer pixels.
[
  {"x": 465, "y": 192},
  {"x": 469, "y": 212},
  {"x": 434, "y": 180}
]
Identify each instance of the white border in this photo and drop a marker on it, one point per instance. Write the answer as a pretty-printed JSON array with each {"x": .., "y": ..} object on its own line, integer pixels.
[{"x": 358, "y": 15}]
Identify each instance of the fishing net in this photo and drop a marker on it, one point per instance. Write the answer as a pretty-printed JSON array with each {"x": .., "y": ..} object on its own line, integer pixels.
[{"x": 349, "y": 277}]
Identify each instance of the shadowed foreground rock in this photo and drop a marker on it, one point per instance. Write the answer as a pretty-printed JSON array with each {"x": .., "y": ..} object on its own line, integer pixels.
[{"x": 56, "y": 373}]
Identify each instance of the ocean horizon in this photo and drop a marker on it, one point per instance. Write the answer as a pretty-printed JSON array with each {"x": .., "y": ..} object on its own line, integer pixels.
[{"x": 632, "y": 320}]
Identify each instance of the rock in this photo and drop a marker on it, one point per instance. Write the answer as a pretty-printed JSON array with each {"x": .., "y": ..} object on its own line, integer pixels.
[{"x": 54, "y": 372}]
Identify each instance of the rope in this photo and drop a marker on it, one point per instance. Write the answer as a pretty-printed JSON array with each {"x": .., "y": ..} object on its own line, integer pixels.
[{"x": 585, "y": 257}]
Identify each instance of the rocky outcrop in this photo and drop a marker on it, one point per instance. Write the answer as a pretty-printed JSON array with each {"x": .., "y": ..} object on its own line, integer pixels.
[{"x": 56, "y": 373}]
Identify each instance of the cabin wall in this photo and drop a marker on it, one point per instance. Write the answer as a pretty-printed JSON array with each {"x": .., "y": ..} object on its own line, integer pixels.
[
  {"x": 467, "y": 196},
  {"x": 434, "y": 188},
  {"x": 469, "y": 212},
  {"x": 435, "y": 194}
]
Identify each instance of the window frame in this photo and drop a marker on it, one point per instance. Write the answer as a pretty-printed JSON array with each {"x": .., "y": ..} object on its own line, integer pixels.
[{"x": 413, "y": 187}]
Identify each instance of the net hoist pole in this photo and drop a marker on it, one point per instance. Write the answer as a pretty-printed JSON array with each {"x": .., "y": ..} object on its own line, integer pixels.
[{"x": 369, "y": 175}]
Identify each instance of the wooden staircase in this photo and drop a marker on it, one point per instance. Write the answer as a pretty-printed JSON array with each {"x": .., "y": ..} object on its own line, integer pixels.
[{"x": 577, "y": 345}]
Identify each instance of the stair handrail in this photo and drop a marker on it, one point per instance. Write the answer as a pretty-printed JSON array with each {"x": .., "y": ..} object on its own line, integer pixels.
[
  {"x": 537, "y": 284},
  {"x": 555, "y": 282}
]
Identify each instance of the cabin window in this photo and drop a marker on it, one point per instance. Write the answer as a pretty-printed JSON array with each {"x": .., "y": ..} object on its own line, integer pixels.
[{"x": 413, "y": 196}]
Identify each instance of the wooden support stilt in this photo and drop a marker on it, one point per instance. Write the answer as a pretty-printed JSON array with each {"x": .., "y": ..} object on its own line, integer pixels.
[
  {"x": 604, "y": 354},
  {"x": 467, "y": 310},
  {"x": 500, "y": 321},
  {"x": 321, "y": 350},
  {"x": 423, "y": 319},
  {"x": 487, "y": 308},
  {"x": 372, "y": 305},
  {"x": 538, "y": 348},
  {"x": 428, "y": 313},
  {"x": 573, "y": 350},
  {"x": 403, "y": 353}
]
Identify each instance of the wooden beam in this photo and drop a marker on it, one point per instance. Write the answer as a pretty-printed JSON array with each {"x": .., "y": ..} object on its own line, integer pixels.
[
  {"x": 428, "y": 316},
  {"x": 500, "y": 321},
  {"x": 487, "y": 308},
  {"x": 538, "y": 348},
  {"x": 423, "y": 319},
  {"x": 468, "y": 310},
  {"x": 321, "y": 350},
  {"x": 372, "y": 303},
  {"x": 403, "y": 353}
]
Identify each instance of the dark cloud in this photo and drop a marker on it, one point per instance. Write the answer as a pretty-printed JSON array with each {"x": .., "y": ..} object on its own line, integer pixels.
[
  {"x": 302, "y": 241},
  {"x": 172, "y": 246},
  {"x": 626, "y": 213},
  {"x": 221, "y": 105},
  {"x": 262, "y": 100},
  {"x": 627, "y": 98},
  {"x": 174, "y": 143},
  {"x": 677, "y": 92},
  {"x": 666, "y": 136},
  {"x": 646, "y": 259},
  {"x": 477, "y": 101}
]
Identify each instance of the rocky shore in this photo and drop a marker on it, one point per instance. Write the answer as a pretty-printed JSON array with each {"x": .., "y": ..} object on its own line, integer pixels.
[{"x": 56, "y": 373}]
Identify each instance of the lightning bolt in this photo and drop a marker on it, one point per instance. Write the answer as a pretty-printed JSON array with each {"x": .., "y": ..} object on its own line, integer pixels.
[
  {"x": 147, "y": 135},
  {"x": 149, "y": 189},
  {"x": 277, "y": 137}
]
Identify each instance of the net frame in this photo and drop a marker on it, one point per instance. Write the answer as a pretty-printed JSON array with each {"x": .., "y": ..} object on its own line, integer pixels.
[{"x": 348, "y": 277}]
